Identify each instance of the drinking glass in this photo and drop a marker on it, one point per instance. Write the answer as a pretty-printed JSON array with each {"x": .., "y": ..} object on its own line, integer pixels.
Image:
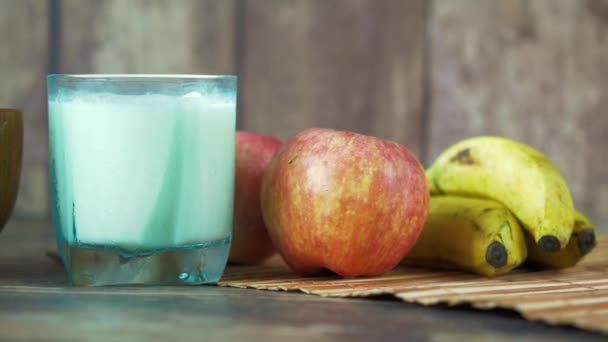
[{"x": 142, "y": 176}]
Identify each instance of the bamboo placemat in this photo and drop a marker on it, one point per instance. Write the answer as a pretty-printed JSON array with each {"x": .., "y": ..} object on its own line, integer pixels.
[{"x": 576, "y": 296}]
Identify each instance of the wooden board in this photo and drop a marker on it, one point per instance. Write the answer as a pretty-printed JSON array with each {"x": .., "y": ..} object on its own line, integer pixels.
[
  {"x": 148, "y": 36},
  {"x": 23, "y": 68},
  {"x": 577, "y": 296},
  {"x": 351, "y": 65},
  {"x": 37, "y": 304},
  {"x": 422, "y": 73},
  {"x": 535, "y": 71}
]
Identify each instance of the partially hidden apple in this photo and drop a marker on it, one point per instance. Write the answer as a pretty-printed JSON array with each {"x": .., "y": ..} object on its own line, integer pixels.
[
  {"x": 349, "y": 203},
  {"x": 250, "y": 241}
]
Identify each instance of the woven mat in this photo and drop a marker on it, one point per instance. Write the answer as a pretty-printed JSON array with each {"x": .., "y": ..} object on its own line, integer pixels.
[{"x": 576, "y": 296}]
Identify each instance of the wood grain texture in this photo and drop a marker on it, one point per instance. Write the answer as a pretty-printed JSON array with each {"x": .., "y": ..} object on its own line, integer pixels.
[
  {"x": 576, "y": 296},
  {"x": 535, "y": 71},
  {"x": 148, "y": 36},
  {"x": 23, "y": 68},
  {"x": 225, "y": 314},
  {"x": 37, "y": 304},
  {"x": 351, "y": 65},
  {"x": 11, "y": 151}
]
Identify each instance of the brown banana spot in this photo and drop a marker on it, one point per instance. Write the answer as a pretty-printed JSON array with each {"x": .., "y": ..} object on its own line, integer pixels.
[
  {"x": 292, "y": 160},
  {"x": 464, "y": 157},
  {"x": 487, "y": 210}
]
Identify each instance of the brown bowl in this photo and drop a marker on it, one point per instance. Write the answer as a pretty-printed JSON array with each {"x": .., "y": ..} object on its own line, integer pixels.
[{"x": 11, "y": 146}]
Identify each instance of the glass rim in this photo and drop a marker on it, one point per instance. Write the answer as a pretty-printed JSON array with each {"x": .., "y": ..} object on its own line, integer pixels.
[{"x": 167, "y": 77}]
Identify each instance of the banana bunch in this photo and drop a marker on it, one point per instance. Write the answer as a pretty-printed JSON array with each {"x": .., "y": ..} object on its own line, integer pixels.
[
  {"x": 496, "y": 203},
  {"x": 582, "y": 241},
  {"x": 471, "y": 234}
]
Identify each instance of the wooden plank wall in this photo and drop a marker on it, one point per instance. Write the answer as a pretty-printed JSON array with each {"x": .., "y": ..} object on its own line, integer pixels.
[
  {"x": 536, "y": 71},
  {"x": 24, "y": 61},
  {"x": 422, "y": 73},
  {"x": 352, "y": 65},
  {"x": 147, "y": 36}
]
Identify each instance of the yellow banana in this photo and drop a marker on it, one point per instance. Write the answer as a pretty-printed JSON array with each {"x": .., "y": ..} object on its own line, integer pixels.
[
  {"x": 582, "y": 241},
  {"x": 470, "y": 234},
  {"x": 515, "y": 174}
]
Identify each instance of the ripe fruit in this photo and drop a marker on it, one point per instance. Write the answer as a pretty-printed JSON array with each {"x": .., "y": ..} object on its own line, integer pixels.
[
  {"x": 470, "y": 234},
  {"x": 520, "y": 177},
  {"x": 349, "y": 203},
  {"x": 250, "y": 241},
  {"x": 582, "y": 241}
]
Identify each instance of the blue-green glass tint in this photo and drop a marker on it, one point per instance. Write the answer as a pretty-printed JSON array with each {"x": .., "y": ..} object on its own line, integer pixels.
[{"x": 142, "y": 176}]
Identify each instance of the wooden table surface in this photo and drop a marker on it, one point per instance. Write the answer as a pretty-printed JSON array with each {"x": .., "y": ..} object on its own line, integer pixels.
[{"x": 37, "y": 304}]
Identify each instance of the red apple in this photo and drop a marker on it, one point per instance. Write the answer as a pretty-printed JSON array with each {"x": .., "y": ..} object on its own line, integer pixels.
[
  {"x": 346, "y": 202},
  {"x": 250, "y": 241}
]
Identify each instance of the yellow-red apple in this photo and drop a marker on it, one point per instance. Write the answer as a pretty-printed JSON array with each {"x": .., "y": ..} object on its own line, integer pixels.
[
  {"x": 250, "y": 241},
  {"x": 349, "y": 203}
]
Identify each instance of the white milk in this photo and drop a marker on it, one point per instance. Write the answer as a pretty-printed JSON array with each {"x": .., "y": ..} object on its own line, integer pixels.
[{"x": 143, "y": 171}]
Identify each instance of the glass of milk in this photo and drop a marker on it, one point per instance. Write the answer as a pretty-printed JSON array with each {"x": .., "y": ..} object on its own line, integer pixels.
[{"x": 142, "y": 176}]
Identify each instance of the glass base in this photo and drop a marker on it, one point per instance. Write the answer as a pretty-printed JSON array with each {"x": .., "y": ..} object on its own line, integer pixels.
[{"x": 95, "y": 265}]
